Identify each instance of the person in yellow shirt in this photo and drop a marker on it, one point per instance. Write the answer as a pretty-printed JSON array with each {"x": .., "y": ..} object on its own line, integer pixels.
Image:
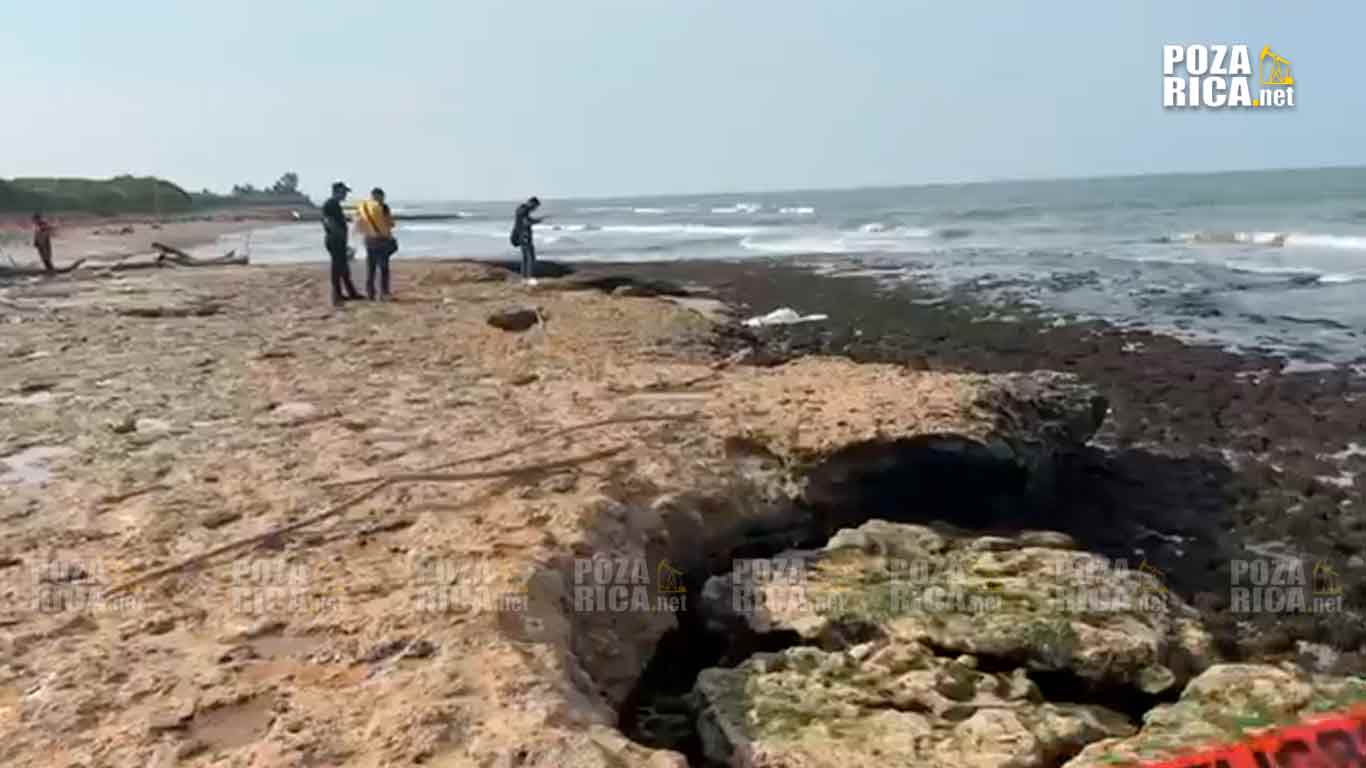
[{"x": 376, "y": 224}]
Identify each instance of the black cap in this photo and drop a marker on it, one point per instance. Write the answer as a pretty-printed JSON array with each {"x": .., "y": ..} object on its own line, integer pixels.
[
  {"x": 340, "y": 185},
  {"x": 377, "y": 191}
]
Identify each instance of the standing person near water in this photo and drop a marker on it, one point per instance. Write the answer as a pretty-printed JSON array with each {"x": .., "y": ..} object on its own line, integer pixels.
[
  {"x": 334, "y": 238},
  {"x": 522, "y": 237},
  {"x": 376, "y": 223},
  {"x": 42, "y": 241}
]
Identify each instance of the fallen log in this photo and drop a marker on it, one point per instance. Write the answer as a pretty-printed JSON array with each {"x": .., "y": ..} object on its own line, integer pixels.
[
  {"x": 178, "y": 259},
  {"x": 17, "y": 271}
]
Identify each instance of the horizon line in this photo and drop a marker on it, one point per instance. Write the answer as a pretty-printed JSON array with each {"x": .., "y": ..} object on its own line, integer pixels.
[{"x": 875, "y": 187}]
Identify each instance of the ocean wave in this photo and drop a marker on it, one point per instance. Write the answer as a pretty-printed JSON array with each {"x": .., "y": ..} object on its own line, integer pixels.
[
  {"x": 1340, "y": 278},
  {"x": 895, "y": 230},
  {"x": 681, "y": 229},
  {"x": 995, "y": 213},
  {"x": 740, "y": 208},
  {"x": 1271, "y": 269},
  {"x": 954, "y": 233},
  {"x": 796, "y": 245},
  {"x": 798, "y": 210},
  {"x": 895, "y": 240},
  {"x": 1273, "y": 239},
  {"x": 571, "y": 227},
  {"x": 650, "y": 211}
]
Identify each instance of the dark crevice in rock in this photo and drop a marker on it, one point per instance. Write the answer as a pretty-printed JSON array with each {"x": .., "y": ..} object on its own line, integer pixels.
[
  {"x": 1062, "y": 686},
  {"x": 924, "y": 479},
  {"x": 660, "y": 711},
  {"x": 932, "y": 479}
]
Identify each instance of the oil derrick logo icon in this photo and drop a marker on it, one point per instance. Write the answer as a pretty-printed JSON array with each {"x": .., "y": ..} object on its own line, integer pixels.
[
  {"x": 1154, "y": 586},
  {"x": 1326, "y": 580},
  {"x": 1275, "y": 70},
  {"x": 669, "y": 579}
]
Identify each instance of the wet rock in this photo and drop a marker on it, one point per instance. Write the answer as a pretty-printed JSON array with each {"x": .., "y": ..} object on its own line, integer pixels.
[
  {"x": 899, "y": 705},
  {"x": 1226, "y": 703},
  {"x": 515, "y": 319},
  {"x": 1047, "y": 608}
]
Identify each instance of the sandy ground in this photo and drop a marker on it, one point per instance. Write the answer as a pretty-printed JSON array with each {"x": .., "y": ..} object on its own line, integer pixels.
[{"x": 107, "y": 239}]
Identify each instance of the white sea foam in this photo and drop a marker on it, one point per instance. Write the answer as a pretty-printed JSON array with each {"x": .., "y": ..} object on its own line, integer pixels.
[
  {"x": 796, "y": 245},
  {"x": 1347, "y": 243},
  {"x": 739, "y": 208},
  {"x": 1338, "y": 278},
  {"x": 1279, "y": 239},
  {"x": 681, "y": 229},
  {"x": 649, "y": 211},
  {"x": 1269, "y": 269},
  {"x": 800, "y": 210}
]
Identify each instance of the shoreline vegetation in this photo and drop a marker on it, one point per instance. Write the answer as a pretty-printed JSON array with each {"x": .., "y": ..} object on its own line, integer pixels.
[{"x": 138, "y": 195}]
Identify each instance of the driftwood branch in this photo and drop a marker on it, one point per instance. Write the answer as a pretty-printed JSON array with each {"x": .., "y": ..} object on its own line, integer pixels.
[
  {"x": 532, "y": 443},
  {"x": 174, "y": 257},
  {"x": 17, "y": 271},
  {"x": 352, "y": 501}
]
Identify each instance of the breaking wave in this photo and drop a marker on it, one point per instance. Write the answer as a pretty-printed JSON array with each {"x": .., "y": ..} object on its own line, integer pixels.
[
  {"x": 1273, "y": 239},
  {"x": 739, "y": 208},
  {"x": 682, "y": 229}
]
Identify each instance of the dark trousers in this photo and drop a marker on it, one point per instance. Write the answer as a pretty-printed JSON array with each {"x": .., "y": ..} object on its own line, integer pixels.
[
  {"x": 377, "y": 253},
  {"x": 528, "y": 258},
  {"x": 342, "y": 287},
  {"x": 45, "y": 253}
]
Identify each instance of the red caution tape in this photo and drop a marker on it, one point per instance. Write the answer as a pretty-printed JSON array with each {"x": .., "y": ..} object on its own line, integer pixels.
[{"x": 1334, "y": 741}]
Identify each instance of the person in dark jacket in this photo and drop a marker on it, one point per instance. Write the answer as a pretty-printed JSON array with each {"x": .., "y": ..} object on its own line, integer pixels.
[
  {"x": 522, "y": 237},
  {"x": 42, "y": 241},
  {"x": 334, "y": 238}
]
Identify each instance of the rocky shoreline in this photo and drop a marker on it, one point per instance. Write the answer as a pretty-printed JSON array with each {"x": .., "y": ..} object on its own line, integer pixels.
[
  {"x": 624, "y": 533},
  {"x": 1206, "y": 457}
]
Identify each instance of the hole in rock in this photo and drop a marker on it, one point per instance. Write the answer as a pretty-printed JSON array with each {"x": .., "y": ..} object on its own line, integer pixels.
[{"x": 937, "y": 478}]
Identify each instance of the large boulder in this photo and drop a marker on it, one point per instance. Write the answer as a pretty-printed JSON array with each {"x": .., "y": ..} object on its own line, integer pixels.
[
  {"x": 1226, "y": 704},
  {"x": 1031, "y": 600},
  {"x": 897, "y": 704}
]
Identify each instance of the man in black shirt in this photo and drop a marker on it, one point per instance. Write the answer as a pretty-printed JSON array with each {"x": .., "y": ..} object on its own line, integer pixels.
[
  {"x": 334, "y": 238},
  {"x": 522, "y": 238}
]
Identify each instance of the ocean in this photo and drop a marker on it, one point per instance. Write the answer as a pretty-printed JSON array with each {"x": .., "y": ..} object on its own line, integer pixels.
[{"x": 1269, "y": 259}]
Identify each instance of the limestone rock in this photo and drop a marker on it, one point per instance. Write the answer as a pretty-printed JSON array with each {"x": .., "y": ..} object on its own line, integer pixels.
[
  {"x": 1040, "y": 604},
  {"x": 1225, "y": 704},
  {"x": 898, "y": 705},
  {"x": 514, "y": 319}
]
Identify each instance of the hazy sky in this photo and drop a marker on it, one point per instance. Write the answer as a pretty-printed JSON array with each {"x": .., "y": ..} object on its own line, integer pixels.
[{"x": 499, "y": 99}]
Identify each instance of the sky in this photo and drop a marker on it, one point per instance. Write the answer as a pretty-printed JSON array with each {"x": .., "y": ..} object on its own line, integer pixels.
[{"x": 466, "y": 99}]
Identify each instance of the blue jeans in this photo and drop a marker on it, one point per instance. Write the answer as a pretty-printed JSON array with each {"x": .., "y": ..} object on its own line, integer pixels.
[
  {"x": 377, "y": 253},
  {"x": 528, "y": 258}
]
